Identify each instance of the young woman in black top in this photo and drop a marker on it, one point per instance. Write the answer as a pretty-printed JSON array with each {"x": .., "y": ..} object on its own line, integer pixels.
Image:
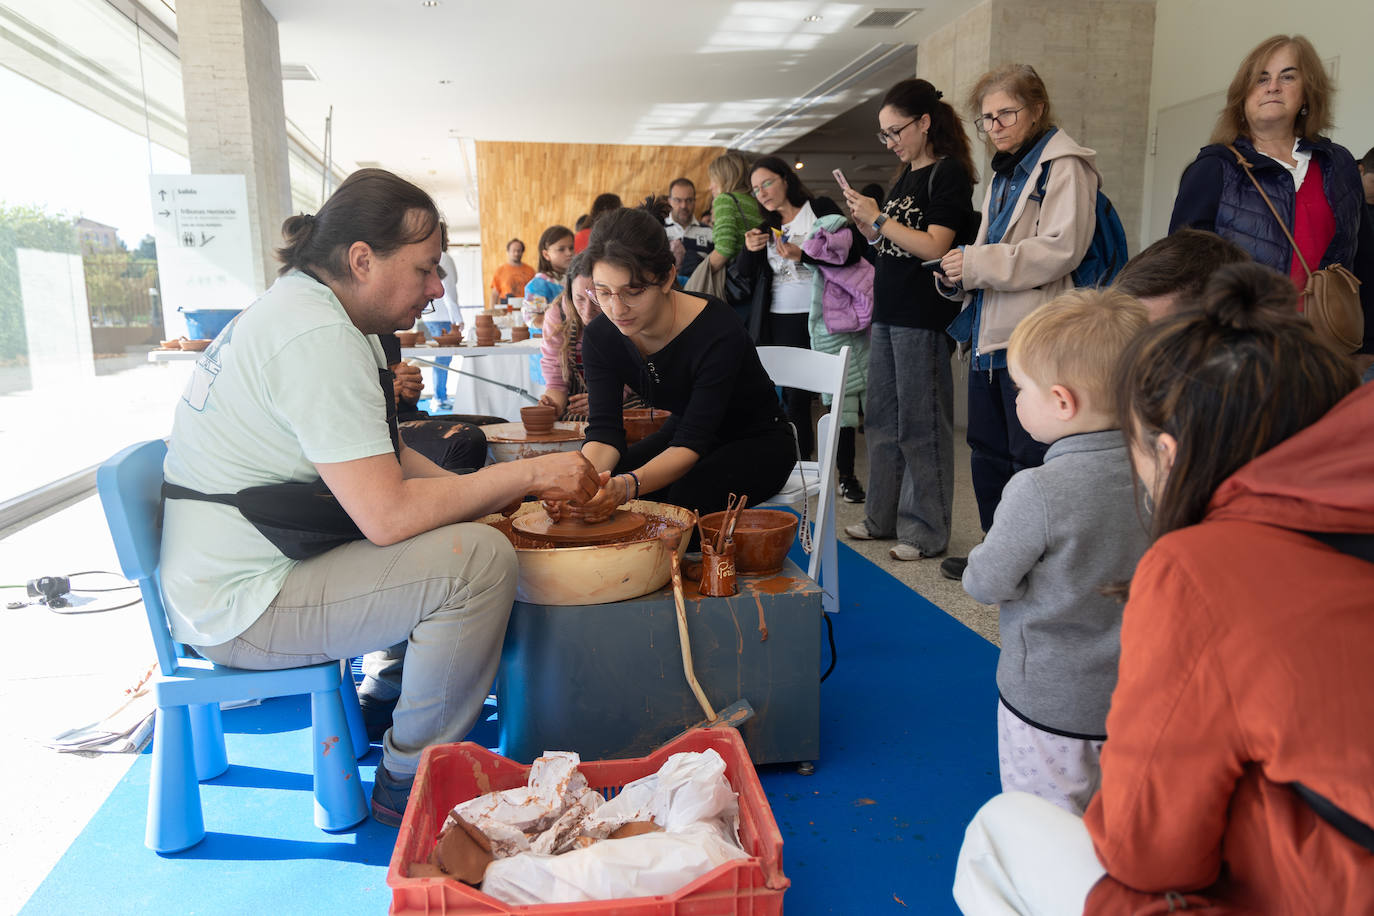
[
  {"x": 684, "y": 353},
  {"x": 909, "y": 423}
]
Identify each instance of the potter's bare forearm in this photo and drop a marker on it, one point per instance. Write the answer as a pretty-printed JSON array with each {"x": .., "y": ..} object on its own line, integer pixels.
[
  {"x": 413, "y": 464},
  {"x": 602, "y": 456},
  {"x": 390, "y": 507},
  {"x": 665, "y": 468}
]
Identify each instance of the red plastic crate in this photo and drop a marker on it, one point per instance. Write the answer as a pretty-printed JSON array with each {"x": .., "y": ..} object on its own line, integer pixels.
[{"x": 454, "y": 773}]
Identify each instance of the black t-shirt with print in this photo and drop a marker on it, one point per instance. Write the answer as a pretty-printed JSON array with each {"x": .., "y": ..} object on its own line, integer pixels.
[{"x": 903, "y": 291}]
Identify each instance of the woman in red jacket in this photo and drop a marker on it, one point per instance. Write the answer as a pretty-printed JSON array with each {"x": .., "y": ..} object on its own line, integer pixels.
[{"x": 1238, "y": 737}]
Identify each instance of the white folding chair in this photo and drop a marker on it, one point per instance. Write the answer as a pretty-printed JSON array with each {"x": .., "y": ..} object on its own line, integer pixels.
[{"x": 824, "y": 373}]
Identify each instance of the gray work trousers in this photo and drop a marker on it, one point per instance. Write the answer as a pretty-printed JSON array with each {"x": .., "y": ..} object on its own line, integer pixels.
[{"x": 444, "y": 595}]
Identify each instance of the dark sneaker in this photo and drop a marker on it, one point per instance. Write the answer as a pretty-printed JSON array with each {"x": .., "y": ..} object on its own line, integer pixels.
[
  {"x": 390, "y": 795},
  {"x": 376, "y": 715},
  {"x": 953, "y": 568},
  {"x": 851, "y": 490}
]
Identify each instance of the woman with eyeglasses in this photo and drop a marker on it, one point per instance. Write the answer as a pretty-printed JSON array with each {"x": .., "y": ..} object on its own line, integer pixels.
[
  {"x": 687, "y": 354},
  {"x": 909, "y": 419},
  {"x": 788, "y": 308},
  {"x": 1038, "y": 220},
  {"x": 1278, "y": 104}
]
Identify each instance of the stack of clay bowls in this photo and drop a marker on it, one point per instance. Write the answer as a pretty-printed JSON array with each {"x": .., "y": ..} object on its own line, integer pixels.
[
  {"x": 487, "y": 331},
  {"x": 538, "y": 420}
]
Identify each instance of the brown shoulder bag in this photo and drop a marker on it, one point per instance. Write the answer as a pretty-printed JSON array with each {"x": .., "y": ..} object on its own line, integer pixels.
[{"x": 1331, "y": 299}]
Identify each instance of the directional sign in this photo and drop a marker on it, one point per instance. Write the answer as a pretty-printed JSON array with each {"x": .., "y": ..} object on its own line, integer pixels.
[{"x": 204, "y": 244}]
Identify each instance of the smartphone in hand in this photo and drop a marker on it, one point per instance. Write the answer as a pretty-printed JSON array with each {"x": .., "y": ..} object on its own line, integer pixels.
[
  {"x": 933, "y": 265},
  {"x": 839, "y": 177}
]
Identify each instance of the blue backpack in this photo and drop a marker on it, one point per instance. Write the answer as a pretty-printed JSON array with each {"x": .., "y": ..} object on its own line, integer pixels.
[{"x": 1106, "y": 253}]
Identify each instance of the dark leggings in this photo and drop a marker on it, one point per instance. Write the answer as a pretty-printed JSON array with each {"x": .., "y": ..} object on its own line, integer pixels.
[
  {"x": 756, "y": 466},
  {"x": 450, "y": 441},
  {"x": 999, "y": 445},
  {"x": 792, "y": 331}
]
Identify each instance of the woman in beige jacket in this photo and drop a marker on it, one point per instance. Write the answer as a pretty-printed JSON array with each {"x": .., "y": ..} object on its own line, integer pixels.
[{"x": 1025, "y": 254}]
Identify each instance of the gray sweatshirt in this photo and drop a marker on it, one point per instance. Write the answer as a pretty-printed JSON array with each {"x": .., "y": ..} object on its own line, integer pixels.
[{"x": 1061, "y": 532}]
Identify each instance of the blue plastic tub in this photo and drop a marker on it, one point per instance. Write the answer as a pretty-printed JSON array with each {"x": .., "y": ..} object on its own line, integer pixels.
[{"x": 205, "y": 324}]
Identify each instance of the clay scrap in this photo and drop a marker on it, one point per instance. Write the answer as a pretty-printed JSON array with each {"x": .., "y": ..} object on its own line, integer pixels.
[{"x": 557, "y": 840}]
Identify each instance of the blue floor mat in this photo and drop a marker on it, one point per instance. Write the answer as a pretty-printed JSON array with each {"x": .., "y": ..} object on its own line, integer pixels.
[{"x": 909, "y": 753}]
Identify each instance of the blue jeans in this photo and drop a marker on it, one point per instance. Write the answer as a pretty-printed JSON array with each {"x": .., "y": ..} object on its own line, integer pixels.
[
  {"x": 909, "y": 426},
  {"x": 440, "y": 375},
  {"x": 1000, "y": 446}
]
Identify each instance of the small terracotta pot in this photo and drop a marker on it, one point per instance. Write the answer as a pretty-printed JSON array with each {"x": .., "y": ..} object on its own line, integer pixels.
[
  {"x": 484, "y": 320},
  {"x": 762, "y": 538},
  {"x": 169, "y": 344},
  {"x": 451, "y": 339},
  {"x": 538, "y": 419},
  {"x": 194, "y": 344},
  {"x": 519, "y": 332},
  {"x": 642, "y": 421},
  {"x": 718, "y": 571},
  {"x": 408, "y": 338}
]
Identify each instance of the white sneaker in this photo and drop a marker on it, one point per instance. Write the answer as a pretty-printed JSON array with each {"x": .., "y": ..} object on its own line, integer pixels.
[
  {"x": 858, "y": 532},
  {"x": 907, "y": 552}
]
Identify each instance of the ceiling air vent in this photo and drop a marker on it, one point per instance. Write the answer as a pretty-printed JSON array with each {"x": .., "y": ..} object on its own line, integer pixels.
[
  {"x": 298, "y": 72},
  {"x": 886, "y": 19}
]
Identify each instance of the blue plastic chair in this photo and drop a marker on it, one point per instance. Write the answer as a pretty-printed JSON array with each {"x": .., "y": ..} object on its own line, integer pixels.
[{"x": 188, "y": 737}]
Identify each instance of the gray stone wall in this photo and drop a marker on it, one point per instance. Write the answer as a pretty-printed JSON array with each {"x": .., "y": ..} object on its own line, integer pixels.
[{"x": 235, "y": 115}]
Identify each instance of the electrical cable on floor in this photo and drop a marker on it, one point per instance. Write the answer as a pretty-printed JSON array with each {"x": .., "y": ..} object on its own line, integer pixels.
[
  {"x": 52, "y": 592},
  {"x": 830, "y": 635}
]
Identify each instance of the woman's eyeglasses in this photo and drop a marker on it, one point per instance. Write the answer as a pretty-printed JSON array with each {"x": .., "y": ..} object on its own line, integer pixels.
[
  {"x": 629, "y": 296},
  {"x": 1004, "y": 118},
  {"x": 893, "y": 134},
  {"x": 763, "y": 186}
]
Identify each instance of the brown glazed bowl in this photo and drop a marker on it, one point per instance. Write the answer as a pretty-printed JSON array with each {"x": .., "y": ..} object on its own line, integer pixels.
[
  {"x": 643, "y": 421},
  {"x": 408, "y": 338},
  {"x": 762, "y": 538},
  {"x": 194, "y": 344},
  {"x": 538, "y": 419}
]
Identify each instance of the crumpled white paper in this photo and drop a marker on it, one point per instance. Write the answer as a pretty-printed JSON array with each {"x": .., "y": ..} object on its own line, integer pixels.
[{"x": 689, "y": 797}]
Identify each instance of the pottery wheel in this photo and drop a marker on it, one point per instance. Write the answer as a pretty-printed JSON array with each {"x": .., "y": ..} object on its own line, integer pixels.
[
  {"x": 539, "y": 526},
  {"x": 517, "y": 433}
]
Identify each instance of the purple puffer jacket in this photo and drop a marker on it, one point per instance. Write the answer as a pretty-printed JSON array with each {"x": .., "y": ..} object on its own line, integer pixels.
[{"x": 847, "y": 294}]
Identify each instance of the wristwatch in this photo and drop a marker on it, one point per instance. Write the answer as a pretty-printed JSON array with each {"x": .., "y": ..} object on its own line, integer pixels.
[{"x": 878, "y": 223}]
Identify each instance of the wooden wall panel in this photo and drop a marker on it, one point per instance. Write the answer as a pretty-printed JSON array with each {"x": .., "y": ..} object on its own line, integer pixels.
[{"x": 523, "y": 188}]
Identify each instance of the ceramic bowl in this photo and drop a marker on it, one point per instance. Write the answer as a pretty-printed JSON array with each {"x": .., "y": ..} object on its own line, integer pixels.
[
  {"x": 762, "y": 538},
  {"x": 408, "y": 338},
  {"x": 538, "y": 419},
  {"x": 642, "y": 421},
  {"x": 194, "y": 344}
]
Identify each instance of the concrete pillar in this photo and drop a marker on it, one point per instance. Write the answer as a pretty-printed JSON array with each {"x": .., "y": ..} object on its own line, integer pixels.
[
  {"x": 235, "y": 116},
  {"x": 1095, "y": 57}
]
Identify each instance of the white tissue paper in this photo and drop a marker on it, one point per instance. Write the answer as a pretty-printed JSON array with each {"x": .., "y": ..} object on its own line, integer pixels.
[{"x": 550, "y": 842}]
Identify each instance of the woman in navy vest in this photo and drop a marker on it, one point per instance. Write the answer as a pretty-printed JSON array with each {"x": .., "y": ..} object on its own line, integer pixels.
[{"x": 1277, "y": 106}]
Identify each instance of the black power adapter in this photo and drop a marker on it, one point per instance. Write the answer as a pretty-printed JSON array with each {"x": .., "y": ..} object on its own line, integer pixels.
[{"x": 51, "y": 590}]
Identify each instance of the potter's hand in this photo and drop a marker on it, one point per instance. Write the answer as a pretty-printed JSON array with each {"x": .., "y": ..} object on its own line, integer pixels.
[
  {"x": 789, "y": 251},
  {"x": 565, "y": 475},
  {"x": 952, "y": 265},
  {"x": 614, "y": 492},
  {"x": 555, "y": 398},
  {"x": 579, "y": 404},
  {"x": 408, "y": 384},
  {"x": 863, "y": 209},
  {"x": 756, "y": 239}
]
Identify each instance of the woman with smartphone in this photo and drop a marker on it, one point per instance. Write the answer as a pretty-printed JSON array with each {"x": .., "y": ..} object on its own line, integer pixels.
[{"x": 909, "y": 421}]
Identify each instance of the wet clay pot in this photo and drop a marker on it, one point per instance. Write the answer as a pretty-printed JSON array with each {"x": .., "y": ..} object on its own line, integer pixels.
[
  {"x": 450, "y": 339},
  {"x": 642, "y": 421},
  {"x": 519, "y": 332},
  {"x": 538, "y": 419},
  {"x": 762, "y": 538},
  {"x": 408, "y": 338}
]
